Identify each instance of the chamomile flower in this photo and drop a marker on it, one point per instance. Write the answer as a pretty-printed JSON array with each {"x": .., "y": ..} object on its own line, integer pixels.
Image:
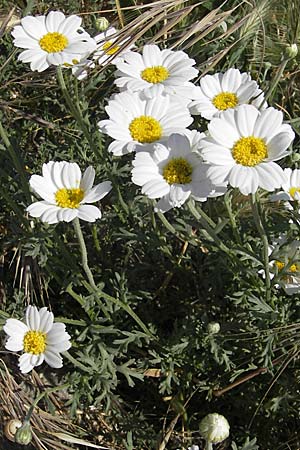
[
  {"x": 66, "y": 193},
  {"x": 285, "y": 264},
  {"x": 243, "y": 145},
  {"x": 173, "y": 173},
  {"x": 108, "y": 45},
  {"x": 156, "y": 72},
  {"x": 38, "y": 337},
  {"x": 223, "y": 91},
  {"x": 52, "y": 40},
  {"x": 135, "y": 123},
  {"x": 290, "y": 187}
]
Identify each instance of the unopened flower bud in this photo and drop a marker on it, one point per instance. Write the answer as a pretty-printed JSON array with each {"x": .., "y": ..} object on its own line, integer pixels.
[
  {"x": 214, "y": 428},
  {"x": 23, "y": 435},
  {"x": 213, "y": 327},
  {"x": 10, "y": 428},
  {"x": 291, "y": 51},
  {"x": 102, "y": 24}
]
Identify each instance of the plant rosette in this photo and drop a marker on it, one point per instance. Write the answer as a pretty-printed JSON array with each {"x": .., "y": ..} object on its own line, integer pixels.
[
  {"x": 243, "y": 146},
  {"x": 52, "y": 40},
  {"x": 173, "y": 172}
]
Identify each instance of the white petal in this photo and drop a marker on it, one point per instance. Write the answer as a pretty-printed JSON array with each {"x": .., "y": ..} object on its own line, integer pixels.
[
  {"x": 268, "y": 123},
  {"x": 34, "y": 27},
  {"x": 245, "y": 178},
  {"x": 25, "y": 363},
  {"x": 53, "y": 359},
  {"x": 14, "y": 345},
  {"x": 71, "y": 175},
  {"x": 53, "y": 20},
  {"x": 32, "y": 318},
  {"x": 246, "y": 116},
  {"x": 36, "y": 360},
  {"x": 46, "y": 320},
  {"x": 98, "y": 192},
  {"x": 87, "y": 180},
  {"x": 70, "y": 25},
  {"x": 278, "y": 144},
  {"x": 89, "y": 213},
  {"x": 231, "y": 80},
  {"x": 14, "y": 327}
]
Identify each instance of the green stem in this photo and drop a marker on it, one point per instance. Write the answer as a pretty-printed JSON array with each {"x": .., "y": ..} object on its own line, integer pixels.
[
  {"x": 264, "y": 238},
  {"x": 166, "y": 223},
  {"x": 227, "y": 201},
  {"x": 275, "y": 81},
  {"x": 84, "y": 258},
  {"x": 200, "y": 215},
  {"x": 39, "y": 397},
  {"x": 94, "y": 287},
  {"x": 76, "y": 113},
  {"x": 19, "y": 166}
]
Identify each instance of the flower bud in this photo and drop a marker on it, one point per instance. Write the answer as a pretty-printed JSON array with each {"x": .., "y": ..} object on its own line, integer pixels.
[
  {"x": 23, "y": 435},
  {"x": 10, "y": 428},
  {"x": 102, "y": 24},
  {"x": 214, "y": 428},
  {"x": 291, "y": 51},
  {"x": 213, "y": 327}
]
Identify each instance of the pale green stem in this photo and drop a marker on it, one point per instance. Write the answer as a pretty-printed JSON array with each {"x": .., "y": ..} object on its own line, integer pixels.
[
  {"x": 264, "y": 238},
  {"x": 84, "y": 257},
  {"x": 94, "y": 287},
  {"x": 208, "y": 446},
  {"x": 16, "y": 161},
  {"x": 39, "y": 398},
  {"x": 227, "y": 202},
  {"x": 203, "y": 219},
  {"x": 275, "y": 81},
  {"x": 76, "y": 113}
]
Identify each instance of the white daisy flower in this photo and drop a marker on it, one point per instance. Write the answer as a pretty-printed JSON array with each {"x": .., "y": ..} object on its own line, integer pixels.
[
  {"x": 135, "y": 123},
  {"x": 157, "y": 72},
  {"x": 52, "y": 40},
  {"x": 39, "y": 338},
  {"x": 290, "y": 187},
  {"x": 243, "y": 145},
  {"x": 173, "y": 173},
  {"x": 285, "y": 264},
  {"x": 106, "y": 47},
  {"x": 223, "y": 91},
  {"x": 66, "y": 193}
]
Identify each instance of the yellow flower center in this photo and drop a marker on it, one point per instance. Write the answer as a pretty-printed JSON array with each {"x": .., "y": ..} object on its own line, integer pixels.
[
  {"x": 178, "y": 171},
  {"x": 109, "y": 49},
  {"x": 34, "y": 342},
  {"x": 225, "y": 100},
  {"x": 293, "y": 191},
  {"x": 53, "y": 42},
  {"x": 249, "y": 151},
  {"x": 145, "y": 129},
  {"x": 281, "y": 265},
  {"x": 155, "y": 74},
  {"x": 69, "y": 198}
]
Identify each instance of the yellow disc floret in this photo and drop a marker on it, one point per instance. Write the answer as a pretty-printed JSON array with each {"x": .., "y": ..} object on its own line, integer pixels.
[
  {"x": 109, "y": 49},
  {"x": 225, "y": 100},
  {"x": 53, "y": 42},
  {"x": 155, "y": 74},
  {"x": 178, "y": 171},
  {"x": 249, "y": 151},
  {"x": 281, "y": 265},
  {"x": 69, "y": 198},
  {"x": 145, "y": 129},
  {"x": 293, "y": 191},
  {"x": 34, "y": 342}
]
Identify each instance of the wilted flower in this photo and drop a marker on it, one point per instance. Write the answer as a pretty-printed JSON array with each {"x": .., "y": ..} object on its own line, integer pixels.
[
  {"x": 285, "y": 264},
  {"x": 39, "y": 338},
  {"x": 52, "y": 40},
  {"x": 66, "y": 192}
]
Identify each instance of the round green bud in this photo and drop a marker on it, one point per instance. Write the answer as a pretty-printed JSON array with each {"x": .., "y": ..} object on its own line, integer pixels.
[
  {"x": 214, "y": 428},
  {"x": 291, "y": 51},
  {"x": 213, "y": 327},
  {"x": 102, "y": 24},
  {"x": 23, "y": 435}
]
